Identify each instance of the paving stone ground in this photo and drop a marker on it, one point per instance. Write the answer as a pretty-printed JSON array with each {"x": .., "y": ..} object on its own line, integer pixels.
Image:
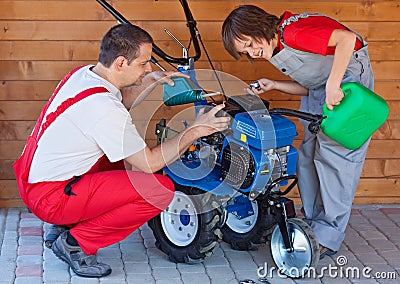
[{"x": 370, "y": 254}]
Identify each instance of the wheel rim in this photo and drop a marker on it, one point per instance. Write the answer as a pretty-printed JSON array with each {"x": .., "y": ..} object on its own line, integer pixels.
[
  {"x": 294, "y": 264},
  {"x": 179, "y": 220},
  {"x": 244, "y": 225}
]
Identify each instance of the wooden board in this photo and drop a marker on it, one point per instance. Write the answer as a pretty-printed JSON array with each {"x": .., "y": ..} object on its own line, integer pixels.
[
  {"x": 151, "y": 10},
  {"x": 94, "y": 30},
  {"x": 42, "y": 90},
  {"x": 55, "y": 70},
  {"x": 368, "y": 187},
  {"x": 88, "y": 50}
]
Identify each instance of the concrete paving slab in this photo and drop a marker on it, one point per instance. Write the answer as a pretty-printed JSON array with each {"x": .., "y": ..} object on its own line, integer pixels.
[{"x": 371, "y": 246}]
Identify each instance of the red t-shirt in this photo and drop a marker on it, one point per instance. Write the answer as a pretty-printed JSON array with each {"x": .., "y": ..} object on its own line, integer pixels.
[{"x": 311, "y": 34}]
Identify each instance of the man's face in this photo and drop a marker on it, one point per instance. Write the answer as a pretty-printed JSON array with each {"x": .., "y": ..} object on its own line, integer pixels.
[{"x": 138, "y": 68}]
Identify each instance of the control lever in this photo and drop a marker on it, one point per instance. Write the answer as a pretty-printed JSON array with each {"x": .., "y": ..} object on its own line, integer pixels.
[{"x": 184, "y": 49}]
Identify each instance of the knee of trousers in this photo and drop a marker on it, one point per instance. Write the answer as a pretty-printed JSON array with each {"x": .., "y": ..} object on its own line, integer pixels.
[{"x": 168, "y": 194}]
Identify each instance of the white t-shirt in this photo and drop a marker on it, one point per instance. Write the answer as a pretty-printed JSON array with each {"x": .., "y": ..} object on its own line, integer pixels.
[{"x": 95, "y": 126}]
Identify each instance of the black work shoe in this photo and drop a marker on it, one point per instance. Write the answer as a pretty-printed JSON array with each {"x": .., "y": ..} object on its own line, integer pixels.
[
  {"x": 52, "y": 234},
  {"x": 324, "y": 251},
  {"x": 82, "y": 264}
]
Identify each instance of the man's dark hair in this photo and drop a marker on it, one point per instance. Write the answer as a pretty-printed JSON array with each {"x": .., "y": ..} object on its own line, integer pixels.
[
  {"x": 248, "y": 20},
  {"x": 122, "y": 40}
]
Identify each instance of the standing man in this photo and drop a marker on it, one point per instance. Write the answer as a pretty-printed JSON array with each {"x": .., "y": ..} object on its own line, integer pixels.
[
  {"x": 319, "y": 54},
  {"x": 72, "y": 169}
]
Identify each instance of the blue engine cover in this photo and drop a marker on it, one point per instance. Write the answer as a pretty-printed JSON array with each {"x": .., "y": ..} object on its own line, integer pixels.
[
  {"x": 263, "y": 131},
  {"x": 257, "y": 131}
]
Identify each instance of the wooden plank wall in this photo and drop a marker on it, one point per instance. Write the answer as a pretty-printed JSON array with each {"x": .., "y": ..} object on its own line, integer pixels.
[{"x": 40, "y": 41}]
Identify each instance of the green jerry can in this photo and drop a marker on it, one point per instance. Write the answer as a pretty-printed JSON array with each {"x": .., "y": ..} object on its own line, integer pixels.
[{"x": 360, "y": 113}]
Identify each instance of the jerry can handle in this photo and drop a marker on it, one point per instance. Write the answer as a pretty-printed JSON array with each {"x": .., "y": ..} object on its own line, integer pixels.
[{"x": 346, "y": 88}]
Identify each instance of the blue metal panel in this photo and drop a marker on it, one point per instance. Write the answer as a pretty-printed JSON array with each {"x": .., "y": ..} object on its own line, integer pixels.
[
  {"x": 263, "y": 131},
  {"x": 255, "y": 130}
]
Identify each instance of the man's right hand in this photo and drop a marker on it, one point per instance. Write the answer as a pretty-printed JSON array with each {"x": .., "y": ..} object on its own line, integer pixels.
[
  {"x": 208, "y": 123},
  {"x": 151, "y": 160}
]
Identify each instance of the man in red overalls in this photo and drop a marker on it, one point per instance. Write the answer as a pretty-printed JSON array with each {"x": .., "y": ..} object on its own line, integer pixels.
[{"x": 72, "y": 169}]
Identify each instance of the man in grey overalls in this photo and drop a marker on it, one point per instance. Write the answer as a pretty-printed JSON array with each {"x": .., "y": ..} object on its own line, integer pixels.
[{"x": 328, "y": 173}]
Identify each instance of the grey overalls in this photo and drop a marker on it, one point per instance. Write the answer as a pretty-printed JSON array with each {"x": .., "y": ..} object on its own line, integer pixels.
[{"x": 328, "y": 173}]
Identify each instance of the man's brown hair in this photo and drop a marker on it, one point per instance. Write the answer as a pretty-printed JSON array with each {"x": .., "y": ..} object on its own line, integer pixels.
[{"x": 122, "y": 40}]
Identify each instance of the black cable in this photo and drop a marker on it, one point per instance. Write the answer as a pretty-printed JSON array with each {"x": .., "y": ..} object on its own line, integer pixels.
[
  {"x": 278, "y": 180},
  {"x": 299, "y": 114},
  {"x": 212, "y": 66}
]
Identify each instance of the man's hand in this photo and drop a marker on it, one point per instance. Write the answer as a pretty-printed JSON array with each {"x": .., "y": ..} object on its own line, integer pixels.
[
  {"x": 151, "y": 160},
  {"x": 165, "y": 76},
  {"x": 208, "y": 123},
  {"x": 134, "y": 95}
]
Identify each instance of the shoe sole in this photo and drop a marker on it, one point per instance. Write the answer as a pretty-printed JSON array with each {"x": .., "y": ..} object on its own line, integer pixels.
[
  {"x": 52, "y": 236},
  {"x": 327, "y": 253},
  {"x": 61, "y": 256},
  {"x": 48, "y": 244}
]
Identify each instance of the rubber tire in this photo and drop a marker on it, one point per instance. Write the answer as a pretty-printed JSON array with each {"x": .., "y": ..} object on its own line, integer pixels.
[
  {"x": 254, "y": 238},
  {"x": 206, "y": 237},
  {"x": 311, "y": 238}
]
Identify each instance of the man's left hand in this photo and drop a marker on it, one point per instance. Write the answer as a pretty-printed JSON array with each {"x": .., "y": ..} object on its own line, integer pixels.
[{"x": 166, "y": 76}]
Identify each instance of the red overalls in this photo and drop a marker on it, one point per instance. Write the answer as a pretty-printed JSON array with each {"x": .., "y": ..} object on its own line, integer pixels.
[{"x": 101, "y": 207}]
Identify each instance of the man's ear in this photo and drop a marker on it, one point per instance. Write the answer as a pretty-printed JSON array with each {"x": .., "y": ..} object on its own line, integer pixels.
[{"x": 119, "y": 62}]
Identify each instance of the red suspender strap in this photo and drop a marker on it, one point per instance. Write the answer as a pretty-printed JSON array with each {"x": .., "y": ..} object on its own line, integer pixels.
[
  {"x": 66, "y": 104},
  {"x": 23, "y": 164},
  {"x": 59, "y": 86}
]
